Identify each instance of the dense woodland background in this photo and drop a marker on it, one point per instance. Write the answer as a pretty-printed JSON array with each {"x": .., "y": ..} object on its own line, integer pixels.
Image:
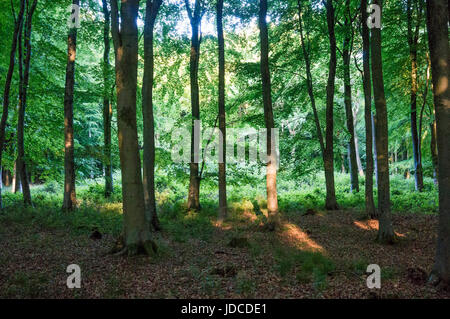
[{"x": 308, "y": 245}]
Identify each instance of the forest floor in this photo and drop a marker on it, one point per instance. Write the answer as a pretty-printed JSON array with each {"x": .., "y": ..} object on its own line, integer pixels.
[{"x": 317, "y": 255}]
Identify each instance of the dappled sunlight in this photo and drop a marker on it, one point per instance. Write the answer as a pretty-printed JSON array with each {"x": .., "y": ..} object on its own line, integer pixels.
[
  {"x": 371, "y": 224},
  {"x": 295, "y": 236}
]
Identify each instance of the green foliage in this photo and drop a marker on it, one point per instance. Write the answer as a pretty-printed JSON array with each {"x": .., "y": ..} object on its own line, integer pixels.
[{"x": 304, "y": 265}]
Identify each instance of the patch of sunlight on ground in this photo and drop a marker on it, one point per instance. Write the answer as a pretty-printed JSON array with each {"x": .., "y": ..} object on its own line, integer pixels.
[
  {"x": 371, "y": 224},
  {"x": 295, "y": 236}
]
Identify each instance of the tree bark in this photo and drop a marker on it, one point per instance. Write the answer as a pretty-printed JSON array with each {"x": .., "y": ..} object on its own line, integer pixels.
[
  {"x": 385, "y": 231},
  {"x": 107, "y": 106},
  {"x": 136, "y": 232},
  {"x": 413, "y": 38},
  {"x": 222, "y": 118},
  {"x": 331, "y": 203},
  {"x": 437, "y": 24},
  {"x": 433, "y": 151},
  {"x": 309, "y": 81},
  {"x": 370, "y": 205},
  {"x": 152, "y": 8},
  {"x": 24, "y": 75},
  {"x": 194, "y": 177},
  {"x": 346, "y": 54},
  {"x": 17, "y": 28},
  {"x": 70, "y": 199},
  {"x": 16, "y": 184}
]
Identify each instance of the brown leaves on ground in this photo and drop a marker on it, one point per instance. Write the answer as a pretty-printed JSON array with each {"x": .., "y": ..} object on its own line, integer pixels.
[{"x": 33, "y": 261}]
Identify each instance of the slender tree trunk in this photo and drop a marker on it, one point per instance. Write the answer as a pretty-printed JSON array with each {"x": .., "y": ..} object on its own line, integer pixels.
[
  {"x": 24, "y": 70},
  {"x": 374, "y": 145},
  {"x": 18, "y": 21},
  {"x": 70, "y": 199},
  {"x": 222, "y": 123},
  {"x": 309, "y": 81},
  {"x": 413, "y": 38},
  {"x": 16, "y": 184},
  {"x": 370, "y": 205},
  {"x": 346, "y": 54},
  {"x": 433, "y": 150},
  {"x": 331, "y": 203},
  {"x": 136, "y": 233},
  {"x": 437, "y": 24},
  {"x": 152, "y": 8},
  {"x": 271, "y": 173},
  {"x": 194, "y": 178},
  {"x": 385, "y": 231},
  {"x": 107, "y": 106}
]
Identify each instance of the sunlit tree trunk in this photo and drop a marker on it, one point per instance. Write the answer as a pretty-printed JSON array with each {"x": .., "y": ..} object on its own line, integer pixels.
[
  {"x": 437, "y": 24},
  {"x": 70, "y": 198},
  {"x": 107, "y": 106},
  {"x": 385, "y": 231},
  {"x": 370, "y": 205},
  {"x": 152, "y": 8},
  {"x": 271, "y": 173},
  {"x": 194, "y": 177},
  {"x": 18, "y": 21},
  {"x": 136, "y": 226},
  {"x": 222, "y": 124},
  {"x": 24, "y": 75},
  {"x": 331, "y": 203}
]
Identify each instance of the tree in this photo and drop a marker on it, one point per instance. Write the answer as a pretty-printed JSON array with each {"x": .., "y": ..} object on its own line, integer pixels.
[
  {"x": 413, "y": 39},
  {"x": 136, "y": 226},
  {"x": 331, "y": 203},
  {"x": 152, "y": 8},
  {"x": 370, "y": 205},
  {"x": 385, "y": 231},
  {"x": 6, "y": 93},
  {"x": 309, "y": 80},
  {"x": 437, "y": 25},
  {"x": 346, "y": 55},
  {"x": 222, "y": 123},
  {"x": 24, "y": 78},
  {"x": 195, "y": 18},
  {"x": 70, "y": 197},
  {"x": 107, "y": 104},
  {"x": 271, "y": 173}
]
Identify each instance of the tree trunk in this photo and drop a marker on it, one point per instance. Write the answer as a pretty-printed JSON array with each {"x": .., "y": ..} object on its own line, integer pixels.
[
  {"x": 309, "y": 81},
  {"x": 413, "y": 38},
  {"x": 17, "y": 28},
  {"x": 136, "y": 233},
  {"x": 331, "y": 203},
  {"x": 374, "y": 145},
  {"x": 437, "y": 24},
  {"x": 434, "y": 153},
  {"x": 107, "y": 106},
  {"x": 271, "y": 170},
  {"x": 152, "y": 8},
  {"x": 194, "y": 178},
  {"x": 385, "y": 231},
  {"x": 222, "y": 123},
  {"x": 24, "y": 75},
  {"x": 346, "y": 54},
  {"x": 16, "y": 184},
  {"x": 370, "y": 205},
  {"x": 70, "y": 199}
]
